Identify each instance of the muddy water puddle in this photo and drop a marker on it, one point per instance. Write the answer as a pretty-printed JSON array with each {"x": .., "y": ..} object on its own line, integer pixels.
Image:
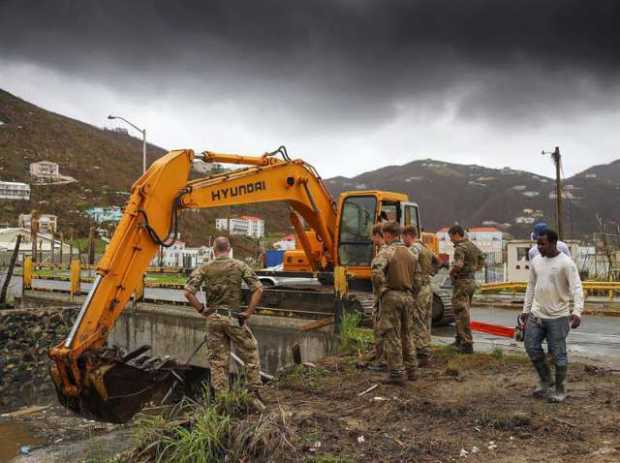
[{"x": 13, "y": 436}]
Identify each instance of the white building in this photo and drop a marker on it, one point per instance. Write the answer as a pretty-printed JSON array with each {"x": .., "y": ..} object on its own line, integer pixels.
[
  {"x": 46, "y": 244},
  {"x": 48, "y": 223},
  {"x": 488, "y": 239},
  {"x": 285, "y": 244},
  {"x": 44, "y": 169},
  {"x": 14, "y": 190},
  {"x": 179, "y": 255},
  {"x": 245, "y": 225},
  {"x": 518, "y": 260}
]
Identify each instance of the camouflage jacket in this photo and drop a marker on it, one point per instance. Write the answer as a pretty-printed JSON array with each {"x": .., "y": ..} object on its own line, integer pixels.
[
  {"x": 424, "y": 269},
  {"x": 380, "y": 267},
  {"x": 468, "y": 259},
  {"x": 222, "y": 279}
]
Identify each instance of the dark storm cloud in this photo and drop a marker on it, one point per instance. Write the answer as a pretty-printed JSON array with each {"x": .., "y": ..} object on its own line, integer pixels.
[{"x": 505, "y": 60}]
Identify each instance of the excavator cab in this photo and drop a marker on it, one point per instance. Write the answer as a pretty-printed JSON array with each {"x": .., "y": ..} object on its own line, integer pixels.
[{"x": 357, "y": 213}]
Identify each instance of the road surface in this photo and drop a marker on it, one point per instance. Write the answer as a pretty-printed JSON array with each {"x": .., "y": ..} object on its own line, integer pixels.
[{"x": 598, "y": 338}]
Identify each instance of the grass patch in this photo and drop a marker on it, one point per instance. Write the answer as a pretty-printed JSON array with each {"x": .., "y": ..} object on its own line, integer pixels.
[
  {"x": 504, "y": 420},
  {"x": 166, "y": 278},
  {"x": 301, "y": 377},
  {"x": 477, "y": 361},
  {"x": 203, "y": 441},
  {"x": 328, "y": 458},
  {"x": 354, "y": 339},
  {"x": 216, "y": 432}
]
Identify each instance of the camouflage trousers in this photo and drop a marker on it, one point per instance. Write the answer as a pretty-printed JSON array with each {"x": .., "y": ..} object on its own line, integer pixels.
[
  {"x": 378, "y": 348},
  {"x": 462, "y": 295},
  {"x": 394, "y": 329},
  {"x": 222, "y": 332},
  {"x": 422, "y": 321}
]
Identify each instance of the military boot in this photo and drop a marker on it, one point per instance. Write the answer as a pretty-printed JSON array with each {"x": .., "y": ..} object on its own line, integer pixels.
[
  {"x": 560, "y": 385},
  {"x": 256, "y": 400},
  {"x": 424, "y": 361},
  {"x": 396, "y": 378},
  {"x": 377, "y": 366},
  {"x": 544, "y": 378},
  {"x": 412, "y": 375}
]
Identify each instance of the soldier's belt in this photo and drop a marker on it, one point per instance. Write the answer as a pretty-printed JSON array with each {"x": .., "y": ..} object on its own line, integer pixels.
[
  {"x": 410, "y": 290},
  {"x": 227, "y": 311}
]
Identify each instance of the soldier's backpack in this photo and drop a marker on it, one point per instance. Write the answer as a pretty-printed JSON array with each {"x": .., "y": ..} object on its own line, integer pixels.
[{"x": 401, "y": 269}]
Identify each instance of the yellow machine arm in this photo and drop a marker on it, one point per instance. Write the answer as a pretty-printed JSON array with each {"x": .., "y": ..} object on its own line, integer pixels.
[{"x": 149, "y": 221}]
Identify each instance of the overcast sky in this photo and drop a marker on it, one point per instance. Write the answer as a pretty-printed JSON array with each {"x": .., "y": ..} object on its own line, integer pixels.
[{"x": 348, "y": 85}]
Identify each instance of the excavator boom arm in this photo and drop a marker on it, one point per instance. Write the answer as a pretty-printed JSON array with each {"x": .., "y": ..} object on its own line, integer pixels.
[
  {"x": 293, "y": 182},
  {"x": 149, "y": 221}
]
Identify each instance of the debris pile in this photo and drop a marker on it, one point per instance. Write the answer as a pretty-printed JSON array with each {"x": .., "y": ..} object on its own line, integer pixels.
[{"x": 25, "y": 337}]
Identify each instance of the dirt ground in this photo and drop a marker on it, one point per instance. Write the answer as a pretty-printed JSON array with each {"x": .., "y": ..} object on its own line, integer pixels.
[
  {"x": 475, "y": 408},
  {"x": 464, "y": 408}
]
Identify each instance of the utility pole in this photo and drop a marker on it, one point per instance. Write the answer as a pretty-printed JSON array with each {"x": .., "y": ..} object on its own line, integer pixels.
[
  {"x": 9, "y": 273},
  {"x": 557, "y": 160},
  {"x": 34, "y": 233}
]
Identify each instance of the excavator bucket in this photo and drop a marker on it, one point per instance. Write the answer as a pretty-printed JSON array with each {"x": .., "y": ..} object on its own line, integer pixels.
[{"x": 119, "y": 386}]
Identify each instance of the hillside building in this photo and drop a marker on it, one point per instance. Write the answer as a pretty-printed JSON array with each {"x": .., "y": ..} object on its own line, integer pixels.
[
  {"x": 48, "y": 223},
  {"x": 245, "y": 225},
  {"x": 15, "y": 191},
  {"x": 46, "y": 170},
  {"x": 105, "y": 214}
]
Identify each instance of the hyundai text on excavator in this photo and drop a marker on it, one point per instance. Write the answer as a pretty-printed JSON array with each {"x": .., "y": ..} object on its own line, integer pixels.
[{"x": 101, "y": 382}]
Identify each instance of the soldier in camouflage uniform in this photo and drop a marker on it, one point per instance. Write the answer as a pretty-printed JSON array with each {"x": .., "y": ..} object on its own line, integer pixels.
[
  {"x": 392, "y": 278},
  {"x": 424, "y": 297},
  {"x": 222, "y": 279},
  {"x": 376, "y": 353},
  {"x": 467, "y": 260}
]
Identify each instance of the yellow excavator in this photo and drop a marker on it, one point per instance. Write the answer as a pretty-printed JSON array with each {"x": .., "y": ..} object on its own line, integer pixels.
[{"x": 104, "y": 383}]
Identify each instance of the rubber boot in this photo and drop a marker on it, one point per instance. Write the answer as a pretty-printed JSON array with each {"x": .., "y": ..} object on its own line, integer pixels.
[
  {"x": 560, "y": 385},
  {"x": 466, "y": 349},
  {"x": 544, "y": 378}
]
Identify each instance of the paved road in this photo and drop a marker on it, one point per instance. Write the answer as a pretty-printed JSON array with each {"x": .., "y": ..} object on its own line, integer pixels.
[{"x": 598, "y": 338}]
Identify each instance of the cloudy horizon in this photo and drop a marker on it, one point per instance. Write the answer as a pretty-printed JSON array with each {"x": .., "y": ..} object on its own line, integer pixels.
[{"x": 349, "y": 86}]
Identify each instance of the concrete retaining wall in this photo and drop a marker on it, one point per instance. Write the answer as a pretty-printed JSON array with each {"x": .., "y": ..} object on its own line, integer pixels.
[{"x": 177, "y": 331}]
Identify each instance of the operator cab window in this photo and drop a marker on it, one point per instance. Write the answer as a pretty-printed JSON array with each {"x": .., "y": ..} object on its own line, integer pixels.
[
  {"x": 358, "y": 217},
  {"x": 390, "y": 212}
]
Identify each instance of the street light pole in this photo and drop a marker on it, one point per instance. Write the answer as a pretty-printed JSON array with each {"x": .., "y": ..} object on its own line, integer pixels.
[
  {"x": 143, "y": 132},
  {"x": 143, "y": 151}
]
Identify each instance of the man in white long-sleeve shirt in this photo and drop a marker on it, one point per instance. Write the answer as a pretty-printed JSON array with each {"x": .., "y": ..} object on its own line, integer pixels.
[
  {"x": 539, "y": 228},
  {"x": 553, "y": 281}
]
